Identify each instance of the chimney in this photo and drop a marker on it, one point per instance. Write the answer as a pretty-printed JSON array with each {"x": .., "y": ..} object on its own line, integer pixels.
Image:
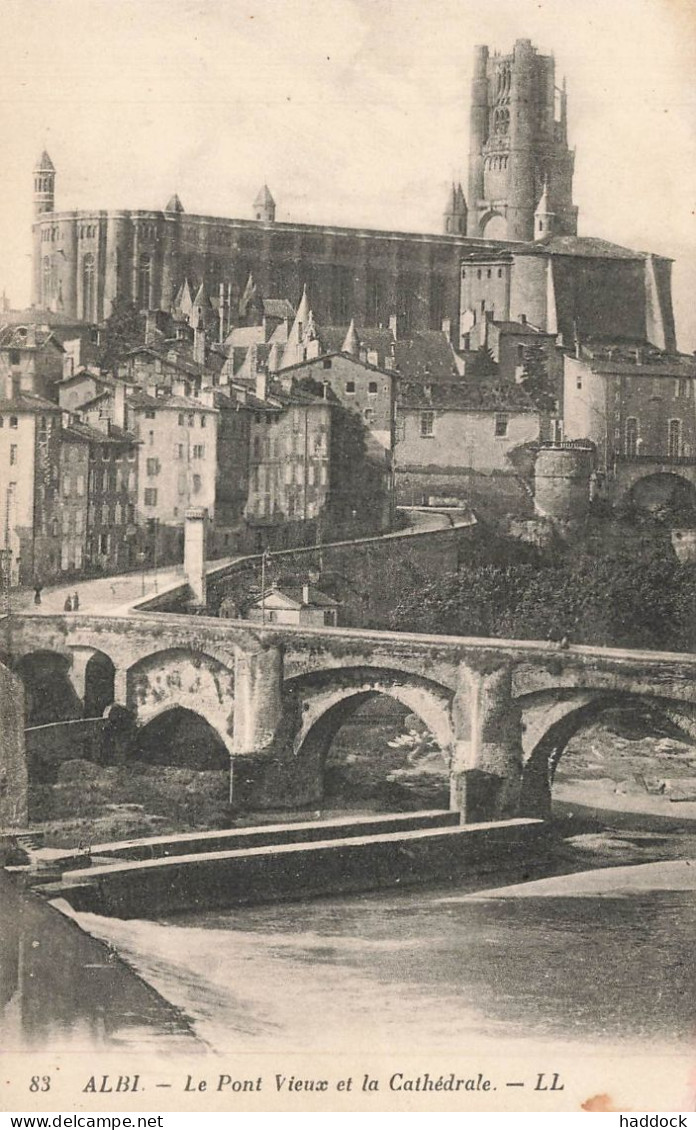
[
  {"x": 194, "y": 552},
  {"x": 221, "y": 312},
  {"x": 305, "y": 593},
  {"x": 639, "y": 356},
  {"x": 261, "y": 384},
  {"x": 447, "y": 328},
  {"x": 150, "y": 327},
  {"x": 199, "y": 341},
  {"x": 396, "y": 325},
  {"x": 31, "y": 336},
  {"x": 120, "y": 405}
]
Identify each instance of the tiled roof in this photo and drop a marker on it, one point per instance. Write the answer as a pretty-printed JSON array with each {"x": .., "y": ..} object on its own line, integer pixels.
[
  {"x": 294, "y": 594},
  {"x": 425, "y": 356},
  {"x": 115, "y": 435},
  {"x": 521, "y": 328},
  {"x": 474, "y": 396},
  {"x": 589, "y": 247},
  {"x": 28, "y": 402},
  {"x": 278, "y": 308}
]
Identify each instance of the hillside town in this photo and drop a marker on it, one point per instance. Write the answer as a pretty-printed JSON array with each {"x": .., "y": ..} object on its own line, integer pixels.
[{"x": 301, "y": 384}]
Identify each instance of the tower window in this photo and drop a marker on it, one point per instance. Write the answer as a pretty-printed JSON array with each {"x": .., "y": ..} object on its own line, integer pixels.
[
  {"x": 88, "y": 287},
  {"x": 144, "y": 281}
]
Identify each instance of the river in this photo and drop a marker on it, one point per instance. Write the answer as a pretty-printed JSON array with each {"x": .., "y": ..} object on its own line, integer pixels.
[{"x": 603, "y": 955}]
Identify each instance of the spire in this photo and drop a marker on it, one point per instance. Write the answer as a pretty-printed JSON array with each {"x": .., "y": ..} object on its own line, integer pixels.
[
  {"x": 183, "y": 303},
  {"x": 544, "y": 217},
  {"x": 202, "y": 301},
  {"x": 352, "y": 341},
  {"x": 174, "y": 204},
  {"x": 44, "y": 164},
  {"x": 455, "y": 214},
  {"x": 264, "y": 205},
  {"x": 248, "y": 296}
]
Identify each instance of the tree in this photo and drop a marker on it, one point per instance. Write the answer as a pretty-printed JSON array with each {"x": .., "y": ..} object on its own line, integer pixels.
[
  {"x": 123, "y": 330},
  {"x": 536, "y": 381},
  {"x": 482, "y": 363}
]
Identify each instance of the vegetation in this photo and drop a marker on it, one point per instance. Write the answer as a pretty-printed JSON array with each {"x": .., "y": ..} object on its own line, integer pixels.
[
  {"x": 123, "y": 330},
  {"x": 637, "y": 596},
  {"x": 536, "y": 381}
]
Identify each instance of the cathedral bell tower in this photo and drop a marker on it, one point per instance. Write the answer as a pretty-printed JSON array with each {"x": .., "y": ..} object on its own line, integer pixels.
[
  {"x": 44, "y": 185},
  {"x": 518, "y": 145}
]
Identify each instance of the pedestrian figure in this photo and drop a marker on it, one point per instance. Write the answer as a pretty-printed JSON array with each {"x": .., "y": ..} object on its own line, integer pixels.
[
  {"x": 37, "y": 593},
  {"x": 75, "y": 602},
  {"x": 67, "y": 607}
]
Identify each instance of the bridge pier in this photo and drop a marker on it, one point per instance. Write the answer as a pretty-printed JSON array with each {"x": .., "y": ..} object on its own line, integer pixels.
[
  {"x": 255, "y": 781},
  {"x": 486, "y": 770}
]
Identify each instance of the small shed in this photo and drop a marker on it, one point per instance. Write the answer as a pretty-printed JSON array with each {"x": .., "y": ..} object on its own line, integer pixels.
[{"x": 304, "y": 605}]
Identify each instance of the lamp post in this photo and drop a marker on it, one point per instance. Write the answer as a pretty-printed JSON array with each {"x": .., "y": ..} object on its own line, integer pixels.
[{"x": 265, "y": 561}]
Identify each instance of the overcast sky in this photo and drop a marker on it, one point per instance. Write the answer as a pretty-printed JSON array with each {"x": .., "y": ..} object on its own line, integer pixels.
[{"x": 354, "y": 111}]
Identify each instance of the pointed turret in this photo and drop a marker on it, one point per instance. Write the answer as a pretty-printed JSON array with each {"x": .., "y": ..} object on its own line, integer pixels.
[
  {"x": 183, "y": 303},
  {"x": 264, "y": 206},
  {"x": 174, "y": 204},
  {"x": 352, "y": 341},
  {"x": 44, "y": 185},
  {"x": 456, "y": 212},
  {"x": 202, "y": 307},
  {"x": 543, "y": 217}
]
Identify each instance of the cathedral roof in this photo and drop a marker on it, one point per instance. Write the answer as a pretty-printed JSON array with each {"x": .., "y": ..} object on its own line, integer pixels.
[
  {"x": 581, "y": 246},
  {"x": 174, "y": 204},
  {"x": 44, "y": 164}
]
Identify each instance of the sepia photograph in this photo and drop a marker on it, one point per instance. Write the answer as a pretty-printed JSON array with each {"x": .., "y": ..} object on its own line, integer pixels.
[{"x": 348, "y": 555}]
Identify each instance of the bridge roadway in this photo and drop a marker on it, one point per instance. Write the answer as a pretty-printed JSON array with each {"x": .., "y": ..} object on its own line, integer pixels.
[{"x": 502, "y": 711}]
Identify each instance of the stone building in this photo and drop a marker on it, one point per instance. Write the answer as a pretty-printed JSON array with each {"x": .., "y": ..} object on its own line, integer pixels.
[
  {"x": 518, "y": 145},
  {"x": 462, "y": 443},
  {"x": 84, "y": 261},
  {"x": 637, "y": 405},
  {"x": 98, "y": 498},
  {"x": 29, "y": 477},
  {"x": 31, "y": 360}
]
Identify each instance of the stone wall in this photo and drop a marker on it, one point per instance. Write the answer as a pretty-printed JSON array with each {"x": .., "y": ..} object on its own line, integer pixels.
[{"x": 13, "y": 765}]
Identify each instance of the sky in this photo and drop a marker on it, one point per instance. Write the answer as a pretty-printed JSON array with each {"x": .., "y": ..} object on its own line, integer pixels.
[{"x": 355, "y": 112}]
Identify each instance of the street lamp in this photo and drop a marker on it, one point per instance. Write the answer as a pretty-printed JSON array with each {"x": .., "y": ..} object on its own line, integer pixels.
[{"x": 265, "y": 562}]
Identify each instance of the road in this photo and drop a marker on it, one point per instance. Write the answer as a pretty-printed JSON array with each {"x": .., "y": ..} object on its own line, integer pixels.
[{"x": 117, "y": 593}]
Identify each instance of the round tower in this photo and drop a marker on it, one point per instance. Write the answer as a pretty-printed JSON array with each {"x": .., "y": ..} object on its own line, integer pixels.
[
  {"x": 562, "y": 481},
  {"x": 44, "y": 185}
]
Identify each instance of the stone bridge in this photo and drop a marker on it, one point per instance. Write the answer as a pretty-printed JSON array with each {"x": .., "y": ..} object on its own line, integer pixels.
[{"x": 501, "y": 711}]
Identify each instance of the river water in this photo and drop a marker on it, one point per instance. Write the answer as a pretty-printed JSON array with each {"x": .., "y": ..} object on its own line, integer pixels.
[{"x": 606, "y": 957}]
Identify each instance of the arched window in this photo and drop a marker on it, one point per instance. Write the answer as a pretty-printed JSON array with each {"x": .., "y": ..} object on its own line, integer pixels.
[
  {"x": 88, "y": 287},
  {"x": 144, "y": 282}
]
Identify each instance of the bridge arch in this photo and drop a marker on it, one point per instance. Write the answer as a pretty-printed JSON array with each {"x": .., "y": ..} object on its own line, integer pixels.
[
  {"x": 325, "y": 701},
  {"x": 551, "y": 721},
  {"x": 663, "y": 488},
  {"x": 181, "y": 737},
  {"x": 186, "y": 679},
  {"x": 49, "y": 695}
]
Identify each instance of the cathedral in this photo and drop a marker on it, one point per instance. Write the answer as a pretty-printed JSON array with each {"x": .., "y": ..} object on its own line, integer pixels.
[{"x": 519, "y": 196}]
